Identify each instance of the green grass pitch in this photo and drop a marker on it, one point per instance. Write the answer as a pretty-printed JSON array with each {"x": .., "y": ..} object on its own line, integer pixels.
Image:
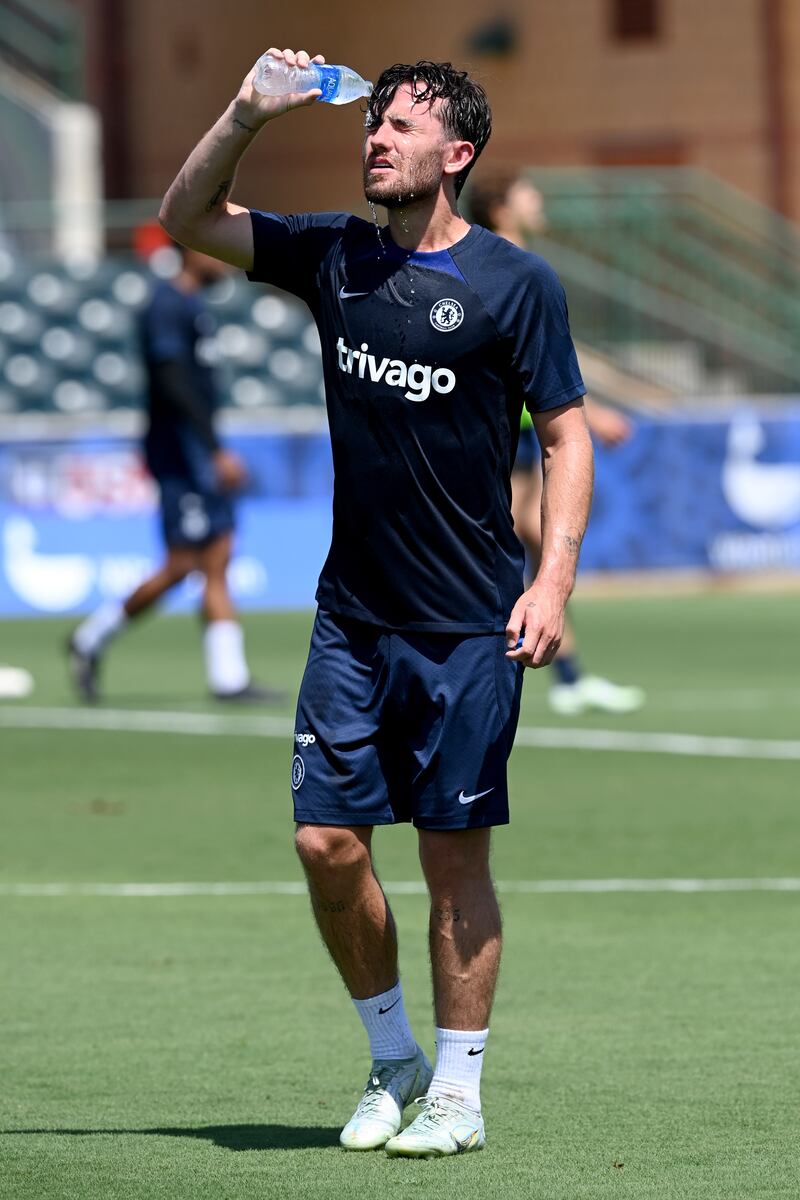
[{"x": 644, "y": 1044}]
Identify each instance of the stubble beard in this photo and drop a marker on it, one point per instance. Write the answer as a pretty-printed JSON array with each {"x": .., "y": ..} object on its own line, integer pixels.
[{"x": 422, "y": 180}]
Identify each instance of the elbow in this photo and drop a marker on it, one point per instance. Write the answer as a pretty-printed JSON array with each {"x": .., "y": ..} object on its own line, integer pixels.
[
  {"x": 167, "y": 221},
  {"x": 181, "y": 234},
  {"x": 186, "y": 233}
]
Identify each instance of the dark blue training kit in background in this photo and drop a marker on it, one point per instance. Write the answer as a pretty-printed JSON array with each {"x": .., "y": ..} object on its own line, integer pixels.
[
  {"x": 428, "y": 359},
  {"x": 180, "y": 442}
]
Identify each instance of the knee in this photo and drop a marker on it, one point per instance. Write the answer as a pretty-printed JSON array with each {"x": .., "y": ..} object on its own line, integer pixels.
[
  {"x": 451, "y": 862},
  {"x": 178, "y": 568},
  {"x": 331, "y": 851}
]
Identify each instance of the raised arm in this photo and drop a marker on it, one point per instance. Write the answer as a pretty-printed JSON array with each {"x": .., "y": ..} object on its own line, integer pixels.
[
  {"x": 567, "y": 458},
  {"x": 196, "y": 210}
]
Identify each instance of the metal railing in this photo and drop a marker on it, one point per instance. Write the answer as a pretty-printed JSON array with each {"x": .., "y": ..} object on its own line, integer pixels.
[{"x": 660, "y": 260}]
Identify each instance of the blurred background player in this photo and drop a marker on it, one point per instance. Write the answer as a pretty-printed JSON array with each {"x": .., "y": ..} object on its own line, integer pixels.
[
  {"x": 512, "y": 207},
  {"x": 196, "y": 476}
]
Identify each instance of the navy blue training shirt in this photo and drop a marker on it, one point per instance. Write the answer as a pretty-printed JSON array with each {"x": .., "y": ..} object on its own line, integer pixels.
[
  {"x": 428, "y": 359},
  {"x": 172, "y": 327}
]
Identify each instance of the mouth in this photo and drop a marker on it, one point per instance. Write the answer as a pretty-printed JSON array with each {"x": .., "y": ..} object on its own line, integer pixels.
[{"x": 379, "y": 165}]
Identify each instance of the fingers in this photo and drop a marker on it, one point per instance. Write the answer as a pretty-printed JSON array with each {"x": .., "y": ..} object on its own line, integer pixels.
[
  {"x": 536, "y": 649},
  {"x": 302, "y": 59},
  {"x": 545, "y": 652},
  {"x": 303, "y": 99},
  {"x": 295, "y": 58},
  {"x": 514, "y": 626},
  {"x": 531, "y": 639},
  {"x": 522, "y": 633}
]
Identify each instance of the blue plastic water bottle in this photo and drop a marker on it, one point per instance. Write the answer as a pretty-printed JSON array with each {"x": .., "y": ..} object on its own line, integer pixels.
[{"x": 339, "y": 85}]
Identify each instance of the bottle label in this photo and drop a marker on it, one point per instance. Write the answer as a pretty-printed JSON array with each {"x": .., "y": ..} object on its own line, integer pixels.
[{"x": 329, "y": 79}]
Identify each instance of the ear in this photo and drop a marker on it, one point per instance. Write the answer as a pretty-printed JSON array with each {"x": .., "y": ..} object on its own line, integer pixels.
[{"x": 460, "y": 156}]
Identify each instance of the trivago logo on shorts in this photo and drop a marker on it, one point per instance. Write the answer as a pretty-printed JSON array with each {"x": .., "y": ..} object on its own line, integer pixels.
[
  {"x": 304, "y": 739},
  {"x": 418, "y": 378}
]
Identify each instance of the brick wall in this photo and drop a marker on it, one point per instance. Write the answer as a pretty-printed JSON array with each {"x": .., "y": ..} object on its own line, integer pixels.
[{"x": 570, "y": 94}]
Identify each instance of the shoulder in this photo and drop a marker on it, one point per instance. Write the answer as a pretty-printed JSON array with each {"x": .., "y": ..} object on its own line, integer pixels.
[
  {"x": 516, "y": 288},
  {"x": 512, "y": 263},
  {"x": 336, "y": 223},
  {"x": 301, "y": 239}
]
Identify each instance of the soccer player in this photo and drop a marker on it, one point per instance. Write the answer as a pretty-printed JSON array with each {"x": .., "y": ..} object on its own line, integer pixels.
[
  {"x": 196, "y": 476},
  {"x": 513, "y": 208},
  {"x": 434, "y": 334}
]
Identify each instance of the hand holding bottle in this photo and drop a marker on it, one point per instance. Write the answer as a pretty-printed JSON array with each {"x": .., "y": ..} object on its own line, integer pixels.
[{"x": 252, "y": 108}]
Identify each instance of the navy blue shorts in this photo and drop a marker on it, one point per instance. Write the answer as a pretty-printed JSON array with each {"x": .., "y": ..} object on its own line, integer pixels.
[
  {"x": 404, "y": 727},
  {"x": 190, "y": 517}
]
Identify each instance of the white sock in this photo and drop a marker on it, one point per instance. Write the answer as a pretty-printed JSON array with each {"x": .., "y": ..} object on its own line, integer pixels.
[
  {"x": 93, "y": 635},
  {"x": 386, "y": 1023},
  {"x": 226, "y": 666},
  {"x": 459, "y": 1059}
]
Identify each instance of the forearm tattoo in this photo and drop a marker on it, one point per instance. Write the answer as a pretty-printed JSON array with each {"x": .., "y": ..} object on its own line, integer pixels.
[
  {"x": 219, "y": 195},
  {"x": 572, "y": 545}
]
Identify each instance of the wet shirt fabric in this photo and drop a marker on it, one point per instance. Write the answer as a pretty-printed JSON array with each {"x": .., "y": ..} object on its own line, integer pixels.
[
  {"x": 428, "y": 360},
  {"x": 173, "y": 328}
]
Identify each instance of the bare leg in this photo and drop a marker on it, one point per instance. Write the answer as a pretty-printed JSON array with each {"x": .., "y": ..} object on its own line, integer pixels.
[
  {"x": 465, "y": 925},
  {"x": 179, "y": 563},
  {"x": 351, "y": 911},
  {"x": 213, "y": 562}
]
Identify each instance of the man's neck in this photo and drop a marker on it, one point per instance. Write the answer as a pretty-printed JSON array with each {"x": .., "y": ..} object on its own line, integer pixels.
[{"x": 431, "y": 224}]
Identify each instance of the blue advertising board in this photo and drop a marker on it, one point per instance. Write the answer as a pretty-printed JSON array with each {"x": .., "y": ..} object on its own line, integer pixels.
[{"x": 79, "y": 521}]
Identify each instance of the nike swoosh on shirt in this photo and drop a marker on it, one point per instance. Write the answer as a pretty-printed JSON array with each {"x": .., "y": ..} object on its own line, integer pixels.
[
  {"x": 462, "y": 799},
  {"x": 345, "y": 295}
]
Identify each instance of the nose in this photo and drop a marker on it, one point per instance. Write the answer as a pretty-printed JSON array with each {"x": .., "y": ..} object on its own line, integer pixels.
[{"x": 377, "y": 139}]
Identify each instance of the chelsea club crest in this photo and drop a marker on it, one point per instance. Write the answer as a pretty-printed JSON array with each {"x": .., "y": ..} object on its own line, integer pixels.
[{"x": 446, "y": 315}]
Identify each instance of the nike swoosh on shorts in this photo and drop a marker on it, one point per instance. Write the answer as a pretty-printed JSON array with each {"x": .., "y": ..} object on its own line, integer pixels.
[{"x": 462, "y": 799}]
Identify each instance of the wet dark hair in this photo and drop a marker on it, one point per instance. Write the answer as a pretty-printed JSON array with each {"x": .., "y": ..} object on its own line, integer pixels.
[
  {"x": 487, "y": 194},
  {"x": 465, "y": 112}
]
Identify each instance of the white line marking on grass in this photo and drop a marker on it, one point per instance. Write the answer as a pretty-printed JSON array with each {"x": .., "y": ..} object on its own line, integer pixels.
[
  {"x": 412, "y": 887},
  {"x": 728, "y": 699},
  {"x": 689, "y": 744},
  {"x": 123, "y": 720}
]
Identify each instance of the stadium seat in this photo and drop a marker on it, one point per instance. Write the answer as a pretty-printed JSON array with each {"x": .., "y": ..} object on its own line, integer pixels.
[
  {"x": 106, "y": 321},
  {"x": 30, "y": 378},
  {"x": 68, "y": 337},
  {"x": 67, "y": 347},
  {"x": 19, "y": 325},
  {"x": 77, "y": 396},
  {"x": 52, "y": 291}
]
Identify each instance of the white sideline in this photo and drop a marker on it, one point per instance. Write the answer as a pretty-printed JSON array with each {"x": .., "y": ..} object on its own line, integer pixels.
[
  {"x": 123, "y": 720},
  {"x": 412, "y": 887}
]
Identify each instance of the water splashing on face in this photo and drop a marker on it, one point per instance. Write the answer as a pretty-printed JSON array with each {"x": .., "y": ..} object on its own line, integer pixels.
[
  {"x": 374, "y": 212},
  {"x": 404, "y": 216}
]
